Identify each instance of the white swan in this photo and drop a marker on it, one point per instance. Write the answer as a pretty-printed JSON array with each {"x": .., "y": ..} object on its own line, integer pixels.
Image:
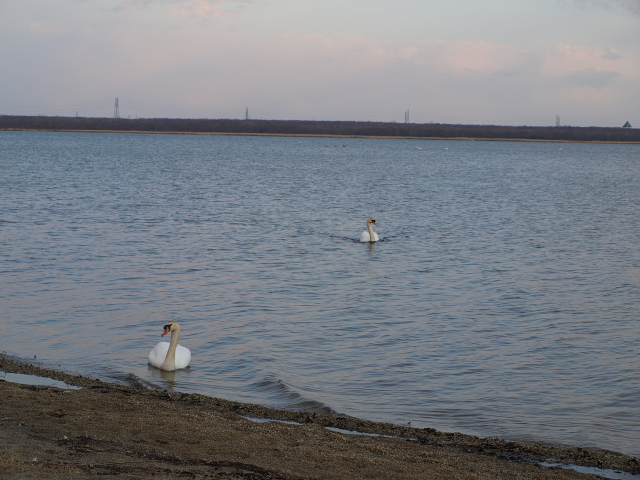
[
  {"x": 369, "y": 235},
  {"x": 170, "y": 356}
]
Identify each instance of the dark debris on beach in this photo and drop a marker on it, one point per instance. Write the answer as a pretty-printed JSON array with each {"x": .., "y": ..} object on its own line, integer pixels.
[{"x": 517, "y": 453}]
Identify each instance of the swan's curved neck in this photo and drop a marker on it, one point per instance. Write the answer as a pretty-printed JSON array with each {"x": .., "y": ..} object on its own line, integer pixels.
[
  {"x": 170, "y": 360},
  {"x": 372, "y": 237}
]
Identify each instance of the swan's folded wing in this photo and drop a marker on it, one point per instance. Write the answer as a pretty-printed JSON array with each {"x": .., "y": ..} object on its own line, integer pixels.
[
  {"x": 158, "y": 354},
  {"x": 183, "y": 357}
]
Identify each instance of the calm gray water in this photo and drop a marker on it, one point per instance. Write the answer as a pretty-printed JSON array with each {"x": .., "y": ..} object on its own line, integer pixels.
[{"x": 502, "y": 300}]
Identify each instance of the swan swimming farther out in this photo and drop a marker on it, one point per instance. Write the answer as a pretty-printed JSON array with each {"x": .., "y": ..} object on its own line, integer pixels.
[
  {"x": 369, "y": 235},
  {"x": 170, "y": 356}
]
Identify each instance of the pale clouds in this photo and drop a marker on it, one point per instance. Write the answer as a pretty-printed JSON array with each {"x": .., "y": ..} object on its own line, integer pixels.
[
  {"x": 612, "y": 54},
  {"x": 483, "y": 58},
  {"x": 283, "y": 59},
  {"x": 352, "y": 77},
  {"x": 189, "y": 8},
  {"x": 621, "y": 5},
  {"x": 593, "y": 78},
  {"x": 564, "y": 60},
  {"x": 460, "y": 57}
]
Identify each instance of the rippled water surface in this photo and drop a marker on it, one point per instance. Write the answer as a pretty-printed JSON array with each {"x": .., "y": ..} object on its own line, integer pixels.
[{"x": 502, "y": 300}]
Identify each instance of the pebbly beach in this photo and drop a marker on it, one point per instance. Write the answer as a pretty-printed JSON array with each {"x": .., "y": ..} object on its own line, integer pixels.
[{"x": 107, "y": 430}]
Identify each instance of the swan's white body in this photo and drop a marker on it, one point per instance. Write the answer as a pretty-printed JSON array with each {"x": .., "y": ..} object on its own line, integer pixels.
[
  {"x": 170, "y": 356},
  {"x": 369, "y": 235},
  {"x": 366, "y": 237}
]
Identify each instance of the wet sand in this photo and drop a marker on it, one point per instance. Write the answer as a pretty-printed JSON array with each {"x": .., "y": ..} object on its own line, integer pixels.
[{"x": 106, "y": 430}]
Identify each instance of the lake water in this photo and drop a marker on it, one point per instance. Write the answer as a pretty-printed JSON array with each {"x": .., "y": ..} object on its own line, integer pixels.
[{"x": 502, "y": 300}]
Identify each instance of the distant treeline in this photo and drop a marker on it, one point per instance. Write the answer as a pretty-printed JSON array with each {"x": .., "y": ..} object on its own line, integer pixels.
[{"x": 325, "y": 128}]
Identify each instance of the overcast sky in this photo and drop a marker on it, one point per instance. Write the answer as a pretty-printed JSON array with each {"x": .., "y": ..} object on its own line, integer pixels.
[{"x": 506, "y": 62}]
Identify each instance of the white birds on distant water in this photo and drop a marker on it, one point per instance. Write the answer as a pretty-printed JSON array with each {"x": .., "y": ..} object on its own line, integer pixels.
[
  {"x": 369, "y": 235},
  {"x": 170, "y": 356}
]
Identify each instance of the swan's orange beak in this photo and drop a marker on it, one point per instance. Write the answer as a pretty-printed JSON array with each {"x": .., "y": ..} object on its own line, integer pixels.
[
  {"x": 167, "y": 329},
  {"x": 374, "y": 222}
]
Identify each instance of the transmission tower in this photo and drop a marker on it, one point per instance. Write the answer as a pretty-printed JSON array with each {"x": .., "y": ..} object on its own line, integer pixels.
[
  {"x": 116, "y": 110},
  {"x": 406, "y": 116},
  {"x": 246, "y": 115},
  {"x": 557, "y": 120}
]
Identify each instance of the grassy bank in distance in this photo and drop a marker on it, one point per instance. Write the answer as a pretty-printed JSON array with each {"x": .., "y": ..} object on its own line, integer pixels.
[{"x": 321, "y": 128}]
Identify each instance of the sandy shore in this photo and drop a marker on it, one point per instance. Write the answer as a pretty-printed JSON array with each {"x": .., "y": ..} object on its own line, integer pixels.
[{"x": 106, "y": 430}]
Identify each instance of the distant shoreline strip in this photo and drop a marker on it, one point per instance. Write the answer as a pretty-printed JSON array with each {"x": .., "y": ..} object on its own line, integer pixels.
[{"x": 320, "y": 135}]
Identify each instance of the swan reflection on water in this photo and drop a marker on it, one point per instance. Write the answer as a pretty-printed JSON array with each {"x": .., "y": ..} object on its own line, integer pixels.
[{"x": 170, "y": 377}]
